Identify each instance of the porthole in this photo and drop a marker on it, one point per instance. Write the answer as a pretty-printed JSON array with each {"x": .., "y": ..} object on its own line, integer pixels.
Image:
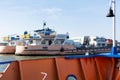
[{"x": 71, "y": 77}]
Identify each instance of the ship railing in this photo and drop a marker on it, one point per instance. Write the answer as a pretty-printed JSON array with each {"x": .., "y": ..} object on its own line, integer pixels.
[{"x": 93, "y": 50}]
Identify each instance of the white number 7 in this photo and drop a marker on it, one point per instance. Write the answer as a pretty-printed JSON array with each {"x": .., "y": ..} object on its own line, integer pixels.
[{"x": 45, "y": 75}]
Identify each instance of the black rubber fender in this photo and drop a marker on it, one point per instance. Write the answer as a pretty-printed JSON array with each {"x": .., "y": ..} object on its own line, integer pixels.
[{"x": 62, "y": 49}]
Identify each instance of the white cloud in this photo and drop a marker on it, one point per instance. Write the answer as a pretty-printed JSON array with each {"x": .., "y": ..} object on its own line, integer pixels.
[{"x": 52, "y": 11}]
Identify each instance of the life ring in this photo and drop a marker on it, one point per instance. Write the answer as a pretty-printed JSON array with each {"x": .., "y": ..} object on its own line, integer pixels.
[{"x": 62, "y": 49}]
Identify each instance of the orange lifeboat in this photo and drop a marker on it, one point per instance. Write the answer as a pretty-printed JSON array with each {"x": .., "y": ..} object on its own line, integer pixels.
[{"x": 63, "y": 68}]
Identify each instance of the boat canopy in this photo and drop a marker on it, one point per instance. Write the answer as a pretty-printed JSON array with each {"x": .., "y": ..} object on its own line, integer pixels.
[{"x": 45, "y": 31}]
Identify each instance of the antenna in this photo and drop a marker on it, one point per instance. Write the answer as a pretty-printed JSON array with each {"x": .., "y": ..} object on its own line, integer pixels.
[{"x": 44, "y": 24}]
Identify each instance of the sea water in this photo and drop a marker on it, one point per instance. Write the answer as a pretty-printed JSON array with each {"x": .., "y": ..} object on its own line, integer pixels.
[{"x": 3, "y": 59}]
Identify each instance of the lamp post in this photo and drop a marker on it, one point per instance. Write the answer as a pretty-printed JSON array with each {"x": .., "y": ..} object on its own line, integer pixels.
[{"x": 111, "y": 13}]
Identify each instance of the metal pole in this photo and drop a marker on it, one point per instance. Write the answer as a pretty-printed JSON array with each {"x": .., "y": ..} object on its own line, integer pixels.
[
  {"x": 114, "y": 23},
  {"x": 114, "y": 48}
]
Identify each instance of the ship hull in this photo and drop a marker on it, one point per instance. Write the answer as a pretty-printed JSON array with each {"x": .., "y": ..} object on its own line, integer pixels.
[
  {"x": 7, "y": 49},
  {"x": 45, "y": 50}
]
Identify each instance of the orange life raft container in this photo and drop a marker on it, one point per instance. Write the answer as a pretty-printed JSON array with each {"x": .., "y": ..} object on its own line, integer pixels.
[{"x": 61, "y": 68}]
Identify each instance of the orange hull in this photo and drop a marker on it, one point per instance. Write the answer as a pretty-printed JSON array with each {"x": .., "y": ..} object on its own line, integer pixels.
[
  {"x": 97, "y": 68},
  {"x": 7, "y": 49}
]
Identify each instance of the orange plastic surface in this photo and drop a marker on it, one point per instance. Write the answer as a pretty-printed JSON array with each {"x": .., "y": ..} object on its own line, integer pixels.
[
  {"x": 69, "y": 67},
  {"x": 60, "y": 68},
  {"x": 89, "y": 68},
  {"x": 11, "y": 73},
  {"x": 43, "y": 69}
]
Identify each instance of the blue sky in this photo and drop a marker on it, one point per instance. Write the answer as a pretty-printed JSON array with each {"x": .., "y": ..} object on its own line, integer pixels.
[{"x": 78, "y": 17}]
